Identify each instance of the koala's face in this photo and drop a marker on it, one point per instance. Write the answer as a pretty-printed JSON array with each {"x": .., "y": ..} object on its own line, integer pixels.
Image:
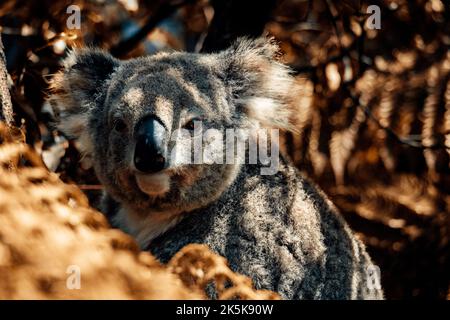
[
  {"x": 140, "y": 120},
  {"x": 144, "y": 138}
]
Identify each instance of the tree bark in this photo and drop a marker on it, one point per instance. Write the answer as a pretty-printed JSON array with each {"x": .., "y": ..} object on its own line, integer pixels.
[{"x": 5, "y": 96}]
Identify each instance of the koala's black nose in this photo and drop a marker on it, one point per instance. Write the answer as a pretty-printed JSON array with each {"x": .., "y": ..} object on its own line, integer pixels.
[{"x": 150, "y": 151}]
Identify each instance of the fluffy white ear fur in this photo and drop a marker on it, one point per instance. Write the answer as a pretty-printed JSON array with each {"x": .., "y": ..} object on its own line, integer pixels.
[
  {"x": 78, "y": 89},
  {"x": 259, "y": 83}
]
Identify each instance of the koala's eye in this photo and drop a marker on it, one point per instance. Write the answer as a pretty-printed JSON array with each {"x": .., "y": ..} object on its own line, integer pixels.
[
  {"x": 120, "y": 125},
  {"x": 190, "y": 124}
]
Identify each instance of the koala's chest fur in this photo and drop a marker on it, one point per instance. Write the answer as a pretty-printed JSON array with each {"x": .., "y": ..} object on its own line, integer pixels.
[{"x": 144, "y": 229}]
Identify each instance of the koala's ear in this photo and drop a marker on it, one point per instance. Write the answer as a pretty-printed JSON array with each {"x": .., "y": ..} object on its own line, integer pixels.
[
  {"x": 79, "y": 89},
  {"x": 259, "y": 83}
]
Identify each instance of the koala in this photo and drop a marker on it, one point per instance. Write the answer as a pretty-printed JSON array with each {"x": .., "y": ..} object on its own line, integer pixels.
[{"x": 136, "y": 121}]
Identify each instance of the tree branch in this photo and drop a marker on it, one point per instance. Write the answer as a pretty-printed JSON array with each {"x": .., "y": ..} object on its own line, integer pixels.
[{"x": 165, "y": 11}]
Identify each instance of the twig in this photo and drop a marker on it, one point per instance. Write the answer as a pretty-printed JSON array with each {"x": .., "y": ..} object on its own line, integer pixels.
[
  {"x": 165, "y": 11},
  {"x": 90, "y": 187}
]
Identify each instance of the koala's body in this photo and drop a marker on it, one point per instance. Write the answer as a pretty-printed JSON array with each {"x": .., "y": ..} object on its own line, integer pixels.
[{"x": 135, "y": 121}]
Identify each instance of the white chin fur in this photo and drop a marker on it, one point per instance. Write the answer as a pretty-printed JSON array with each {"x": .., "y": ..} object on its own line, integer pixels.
[{"x": 154, "y": 184}]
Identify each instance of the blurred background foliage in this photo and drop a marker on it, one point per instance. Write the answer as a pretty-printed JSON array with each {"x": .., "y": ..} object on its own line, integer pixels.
[{"x": 373, "y": 114}]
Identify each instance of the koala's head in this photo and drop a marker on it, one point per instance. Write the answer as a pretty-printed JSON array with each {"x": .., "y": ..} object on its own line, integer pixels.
[{"x": 137, "y": 120}]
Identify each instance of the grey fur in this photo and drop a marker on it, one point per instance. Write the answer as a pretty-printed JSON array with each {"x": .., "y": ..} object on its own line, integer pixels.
[{"x": 278, "y": 229}]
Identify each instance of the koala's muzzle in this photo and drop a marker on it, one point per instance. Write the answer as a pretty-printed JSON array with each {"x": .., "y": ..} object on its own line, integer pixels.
[{"x": 151, "y": 149}]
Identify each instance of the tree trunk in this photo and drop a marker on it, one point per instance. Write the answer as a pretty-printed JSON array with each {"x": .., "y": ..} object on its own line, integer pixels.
[{"x": 5, "y": 97}]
